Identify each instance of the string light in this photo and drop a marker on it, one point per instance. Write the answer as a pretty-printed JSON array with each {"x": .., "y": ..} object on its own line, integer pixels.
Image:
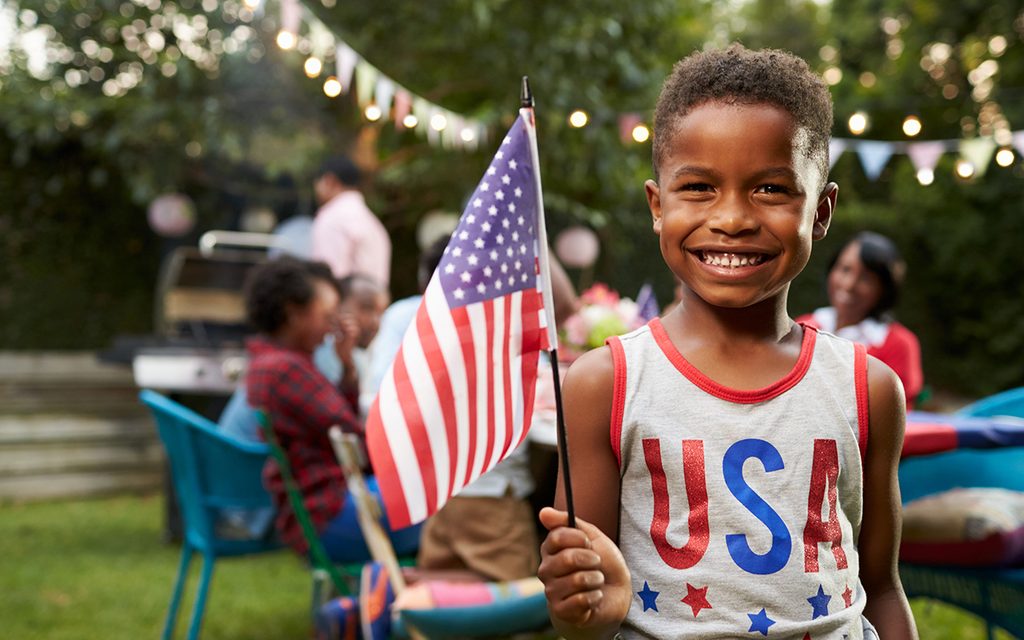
[
  {"x": 578, "y": 119},
  {"x": 373, "y": 113},
  {"x": 925, "y": 176},
  {"x": 964, "y": 169},
  {"x": 1004, "y": 157},
  {"x": 911, "y": 126},
  {"x": 641, "y": 133},
  {"x": 468, "y": 135},
  {"x": 313, "y": 67},
  {"x": 332, "y": 87},
  {"x": 438, "y": 122},
  {"x": 410, "y": 121},
  {"x": 858, "y": 123},
  {"x": 286, "y": 40}
]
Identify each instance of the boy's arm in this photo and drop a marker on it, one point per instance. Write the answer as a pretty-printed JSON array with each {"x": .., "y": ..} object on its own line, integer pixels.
[
  {"x": 887, "y": 606},
  {"x": 586, "y": 580}
]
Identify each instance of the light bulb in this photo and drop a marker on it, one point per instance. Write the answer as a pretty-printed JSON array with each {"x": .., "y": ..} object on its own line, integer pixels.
[
  {"x": 641, "y": 133},
  {"x": 578, "y": 119}
]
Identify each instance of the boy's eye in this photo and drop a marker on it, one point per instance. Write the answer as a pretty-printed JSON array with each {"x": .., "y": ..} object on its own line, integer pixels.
[
  {"x": 695, "y": 186},
  {"x": 772, "y": 188}
]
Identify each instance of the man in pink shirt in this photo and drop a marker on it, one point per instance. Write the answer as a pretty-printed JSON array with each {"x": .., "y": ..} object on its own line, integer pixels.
[{"x": 346, "y": 234}]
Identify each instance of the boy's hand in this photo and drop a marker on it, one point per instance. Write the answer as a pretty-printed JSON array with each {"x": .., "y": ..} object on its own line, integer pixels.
[
  {"x": 585, "y": 578},
  {"x": 346, "y": 331}
]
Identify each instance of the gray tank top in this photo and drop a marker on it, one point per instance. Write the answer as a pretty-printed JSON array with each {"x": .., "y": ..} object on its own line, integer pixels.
[{"x": 740, "y": 510}]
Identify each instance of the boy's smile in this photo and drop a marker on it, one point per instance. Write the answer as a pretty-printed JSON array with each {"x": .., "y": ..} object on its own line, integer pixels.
[{"x": 732, "y": 208}]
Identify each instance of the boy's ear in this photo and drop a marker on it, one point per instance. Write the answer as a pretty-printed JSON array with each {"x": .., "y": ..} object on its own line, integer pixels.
[
  {"x": 823, "y": 214},
  {"x": 654, "y": 203}
]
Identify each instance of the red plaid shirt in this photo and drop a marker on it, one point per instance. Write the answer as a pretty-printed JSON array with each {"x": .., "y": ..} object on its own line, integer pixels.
[{"x": 302, "y": 405}]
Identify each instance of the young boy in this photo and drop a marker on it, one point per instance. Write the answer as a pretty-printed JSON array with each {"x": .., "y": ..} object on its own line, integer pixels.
[{"x": 735, "y": 472}]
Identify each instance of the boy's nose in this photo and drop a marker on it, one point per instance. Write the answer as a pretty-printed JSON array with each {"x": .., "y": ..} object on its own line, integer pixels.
[{"x": 733, "y": 219}]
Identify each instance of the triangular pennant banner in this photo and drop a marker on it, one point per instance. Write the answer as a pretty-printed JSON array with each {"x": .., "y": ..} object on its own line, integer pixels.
[
  {"x": 366, "y": 82},
  {"x": 346, "y": 59},
  {"x": 836, "y": 147},
  {"x": 874, "y": 154},
  {"x": 978, "y": 151},
  {"x": 925, "y": 155},
  {"x": 403, "y": 104},
  {"x": 291, "y": 16},
  {"x": 382, "y": 95},
  {"x": 1018, "y": 142}
]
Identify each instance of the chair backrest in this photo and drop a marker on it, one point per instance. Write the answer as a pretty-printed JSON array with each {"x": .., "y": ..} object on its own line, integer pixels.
[
  {"x": 1005, "y": 403},
  {"x": 317, "y": 554},
  {"x": 210, "y": 471},
  {"x": 1001, "y": 468}
]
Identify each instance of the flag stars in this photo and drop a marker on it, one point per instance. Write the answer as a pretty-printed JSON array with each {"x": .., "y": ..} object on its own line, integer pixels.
[
  {"x": 481, "y": 288},
  {"x": 463, "y": 235},
  {"x": 459, "y": 294},
  {"x": 497, "y": 285},
  {"x": 500, "y": 239},
  {"x": 478, "y": 203},
  {"x": 494, "y": 254},
  {"x": 505, "y": 179},
  {"x": 510, "y": 252},
  {"x": 491, "y": 171},
  {"x": 522, "y": 249},
  {"x": 504, "y": 267},
  {"x": 511, "y": 280},
  {"x": 518, "y": 192},
  {"x": 457, "y": 252},
  {"x": 470, "y": 219},
  {"x": 472, "y": 260},
  {"x": 484, "y": 186},
  {"x": 515, "y": 235},
  {"x": 505, "y": 223},
  {"x": 465, "y": 276},
  {"x": 518, "y": 265},
  {"x": 525, "y": 277},
  {"x": 520, "y": 219},
  {"x": 479, "y": 243},
  {"x": 499, "y": 194},
  {"x": 507, "y": 140},
  {"x": 512, "y": 164},
  {"x": 449, "y": 268},
  {"x": 492, "y": 210},
  {"x": 512, "y": 209},
  {"x": 485, "y": 227},
  {"x": 488, "y": 271}
]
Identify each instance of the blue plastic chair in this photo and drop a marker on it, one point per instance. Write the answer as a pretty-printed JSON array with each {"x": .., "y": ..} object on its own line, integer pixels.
[
  {"x": 994, "y": 594},
  {"x": 211, "y": 473}
]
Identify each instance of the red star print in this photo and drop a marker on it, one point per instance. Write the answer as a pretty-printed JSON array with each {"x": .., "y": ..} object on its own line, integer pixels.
[
  {"x": 696, "y": 598},
  {"x": 848, "y": 596}
]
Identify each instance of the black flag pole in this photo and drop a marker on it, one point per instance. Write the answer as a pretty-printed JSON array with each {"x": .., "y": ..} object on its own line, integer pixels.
[{"x": 526, "y": 100}]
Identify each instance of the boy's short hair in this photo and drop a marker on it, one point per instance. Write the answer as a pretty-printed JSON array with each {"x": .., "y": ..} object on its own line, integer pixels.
[
  {"x": 272, "y": 286},
  {"x": 342, "y": 168},
  {"x": 738, "y": 75}
]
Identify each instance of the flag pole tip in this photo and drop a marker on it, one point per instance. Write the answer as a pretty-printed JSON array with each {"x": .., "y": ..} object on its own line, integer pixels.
[{"x": 526, "y": 96}]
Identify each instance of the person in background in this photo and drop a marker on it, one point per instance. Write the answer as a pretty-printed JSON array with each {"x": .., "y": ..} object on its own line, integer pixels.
[
  {"x": 864, "y": 281},
  {"x": 346, "y": 234},
  {"x": 294, "y": 305}
]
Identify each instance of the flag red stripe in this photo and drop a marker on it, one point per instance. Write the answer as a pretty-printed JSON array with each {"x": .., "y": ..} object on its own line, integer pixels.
[
  {"x": 384, "y": 468},
  {"x": 489, "y": 323},
  {"x": 533, "y": 336},
  {"x": 417, "y": 431},
  {"x": 506, "y": 373},
  {"x": 443, "y": 385},
  {"x": 460, "y": 318}
]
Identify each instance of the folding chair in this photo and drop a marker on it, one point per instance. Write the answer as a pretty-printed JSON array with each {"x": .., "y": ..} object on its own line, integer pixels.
[{"x": 212, "y": 473}]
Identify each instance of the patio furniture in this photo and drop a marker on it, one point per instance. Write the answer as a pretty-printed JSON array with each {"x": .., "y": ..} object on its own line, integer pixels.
[
  {"x": 994, "y": 594},
  {"x": 212, "y": 474}
]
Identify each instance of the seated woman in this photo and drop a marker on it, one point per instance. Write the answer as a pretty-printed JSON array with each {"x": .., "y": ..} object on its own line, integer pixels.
[
  {"x": 294, "y": 305},
  {"x": 864, "y": 281}
]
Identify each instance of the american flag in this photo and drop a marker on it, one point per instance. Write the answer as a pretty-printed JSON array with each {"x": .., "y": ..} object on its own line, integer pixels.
[{"x": 459, "y": 395}]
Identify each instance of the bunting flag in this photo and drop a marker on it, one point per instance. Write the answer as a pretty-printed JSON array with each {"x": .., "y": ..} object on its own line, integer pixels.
[
  {"x": 925, "y": 155},
  {"x": 1018, "y": 142},
  {"x": 458, "y": 397},
  {"x": 978, "y": 151},
  {"x": 874, "y": 155},
  {"x": 836, "y": 147}
]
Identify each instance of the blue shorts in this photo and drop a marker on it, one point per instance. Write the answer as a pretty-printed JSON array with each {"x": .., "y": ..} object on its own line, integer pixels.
[{"x": 343, "y": 539}]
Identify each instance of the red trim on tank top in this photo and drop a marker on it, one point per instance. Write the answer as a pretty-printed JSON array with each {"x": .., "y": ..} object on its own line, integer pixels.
[
  {"x": 618, "y": 395},
  {"x": 860, "y": 383},
  {"x": 741, "y": 396}
]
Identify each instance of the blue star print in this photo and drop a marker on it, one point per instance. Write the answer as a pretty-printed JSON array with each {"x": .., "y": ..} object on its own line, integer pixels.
[
  {"x": 760, "y": 622},
  {"x": 819, "y": 603},
  {"x": 649, "y": 597}
]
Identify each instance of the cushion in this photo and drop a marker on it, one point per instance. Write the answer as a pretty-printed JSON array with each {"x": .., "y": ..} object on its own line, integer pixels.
[
  {"x": 442, "y": 609},
  {"x": 975, "y": 527}
]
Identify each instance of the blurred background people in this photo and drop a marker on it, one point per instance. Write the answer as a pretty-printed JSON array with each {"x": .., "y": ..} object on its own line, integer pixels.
[
  {"x": 346, "y": 234},
  {"x": 864, "y": 281}
]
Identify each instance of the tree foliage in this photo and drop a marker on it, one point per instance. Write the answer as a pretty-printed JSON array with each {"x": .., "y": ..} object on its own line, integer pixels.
[{"x": 141, "y": 97}]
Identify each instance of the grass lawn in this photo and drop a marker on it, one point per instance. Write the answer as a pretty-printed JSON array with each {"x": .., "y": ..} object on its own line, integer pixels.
[{"x": 97, "y": 568}]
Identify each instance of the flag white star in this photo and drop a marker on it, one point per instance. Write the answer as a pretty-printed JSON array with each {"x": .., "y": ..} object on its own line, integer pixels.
[
  {"x": 459, "y": 294},
  {"x": 509, "y": 252},
  {"x": 505, "y": 223},
  {"x": 499, "y": 194},
  {"x": 521, "y": 220},
  {"x": 519, "y": 265},
  {"x": 518, "y": 192},
  {"x": 470, "y": 219},
  {"x": 492, "y": 210},
  {"x": 481, "y": 287},
  {"x": 524, "y": 277},
  {"x": 465, "y": 277},
  {"x": 449, "y": 268},
  {"x": 511, "y": 280},
  {"x": 522, "y": 248},
  {"x": 500, "y": 239},
  {"x": 491, "y": 171},
  {"x": 512, "y": 209},
  {"x": 494, "y": 254},
  {"x": 479, "y": 243},
  {"x": 515, "y": 236},
  {"x": 497, "y": 285},
  {"x": 505, "y": 179},
  {"x": 488, "y": 271},
  {"x": 512, "y": 164},
  {"x": 457, "y": 251},
  {"x": 463, "y": 234},
  {"x": 506, "y": 141},
  {"x": 504, "y": 267},
  {"x": 485, "y": 227},
  {"x": 477, "y": 203},
  {"x": 484, "y": 186},
  {"x": 472, "y": 260}
]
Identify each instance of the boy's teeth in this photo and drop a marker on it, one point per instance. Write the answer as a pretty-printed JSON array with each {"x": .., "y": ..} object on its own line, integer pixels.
[{"x": 732, "y": 260}]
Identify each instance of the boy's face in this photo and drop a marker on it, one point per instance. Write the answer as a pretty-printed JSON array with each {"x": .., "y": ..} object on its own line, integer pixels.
[
  {"x": 366, "y": 305},
  {"x": 739, "y": 202},
  {"x": 311, "y": 322}
]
